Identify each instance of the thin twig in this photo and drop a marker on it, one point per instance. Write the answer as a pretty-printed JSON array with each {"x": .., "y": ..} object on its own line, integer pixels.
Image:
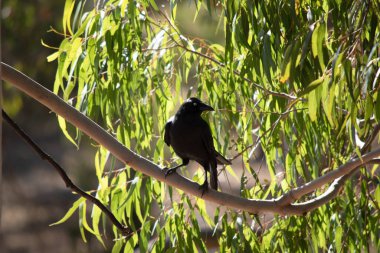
[
  {"x": 269, "y": 130},
  {"x": 184, "y": 47},
  {"x": 370, "y": 139},
  {"x": 69, "y": 184}
]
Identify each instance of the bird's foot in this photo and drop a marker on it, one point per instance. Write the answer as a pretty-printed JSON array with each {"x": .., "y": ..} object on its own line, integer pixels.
[
  {"x": 169, "y": 171},
  {"x": 204, "y": 188}
]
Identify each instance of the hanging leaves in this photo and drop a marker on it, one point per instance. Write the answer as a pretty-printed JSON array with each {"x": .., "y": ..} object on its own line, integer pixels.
[{"x": 296, "y": 81}]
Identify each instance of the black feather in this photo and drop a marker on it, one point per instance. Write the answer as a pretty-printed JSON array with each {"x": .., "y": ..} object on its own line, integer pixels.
[{"x": 191, "y": 139}]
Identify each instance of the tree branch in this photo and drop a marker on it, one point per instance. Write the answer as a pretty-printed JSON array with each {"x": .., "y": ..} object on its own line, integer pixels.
[
  {"x": 69, "y": 184},
  {"x": 139, "y": 163},
  {"x": 335, "y": 187},
  {"x": 370, "y": 139},
  {"x": 344, "y": 170}
]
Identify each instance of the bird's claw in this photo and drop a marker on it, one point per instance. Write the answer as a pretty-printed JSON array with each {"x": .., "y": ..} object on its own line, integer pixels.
[
  {"x": 169, "y": 172},
  {"x": 204, "y": 188}
]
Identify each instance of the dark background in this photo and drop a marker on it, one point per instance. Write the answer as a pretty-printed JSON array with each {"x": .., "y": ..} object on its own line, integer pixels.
[{"x": 33, "y": 194}]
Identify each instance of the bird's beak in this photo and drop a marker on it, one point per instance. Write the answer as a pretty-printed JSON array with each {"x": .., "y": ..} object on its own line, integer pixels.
[{"x": 204, "y": 107}]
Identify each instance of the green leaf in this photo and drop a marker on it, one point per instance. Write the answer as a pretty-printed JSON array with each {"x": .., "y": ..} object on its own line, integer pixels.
[
  {"x": 289, "y": 168},
  {"x": 101, "y": 157},
  {"x": 70, "y": 211},
  {"x": 317, "y": 43},
  {"x": 328, "y": 103},
  {"x": 322, "y": 238},
  {"x": 62, "y": 125},
  {"x": 173, "y": 9},
  {"x": 377, "y": 194},
  {"x": 143, "y": 238},
  {"x": 368, "y": 108},
  {"x": 203, "y": 212},
  {"x": 53, "y": 56},
  {"x": 377, "y": 107},
  {"x": 267, "y": 57},
  {"x": 85, "y": 224},
  {"x": 118, "y": 246},
  {"x": 311, "y": 86},
  {"x": 66, "y": 21},
  {"x": 153, "y": 4},
  {"x": 232, "y": 172},
  {"x": 197, "y": 9},
  {"x": 286, "y": 64},
  {"x": 82, "y": 211},
  {"x": 313, "y": 105},
  {"x": 314, "y": 41},
  {"x": 338, "y": 238},
  {"x": 131, "y": 243},
  {"x": 96, "y": 215}
]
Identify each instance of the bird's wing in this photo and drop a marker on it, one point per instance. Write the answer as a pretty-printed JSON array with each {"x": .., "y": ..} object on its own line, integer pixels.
[
  {"x": 209, "y": 144},
  {"x": 167, "y": 132},
  {"x": 221, "y": 159},
  {"x": 207, "y": 139}
]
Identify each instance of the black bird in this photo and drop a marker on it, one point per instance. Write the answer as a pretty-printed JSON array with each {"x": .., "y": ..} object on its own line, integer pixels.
[{"x": 190, "y": 136}]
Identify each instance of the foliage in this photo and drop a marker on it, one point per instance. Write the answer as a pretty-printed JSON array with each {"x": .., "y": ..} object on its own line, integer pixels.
[
  {"x": 25, "y": 21},
  {"x": 297, "y": 79}
]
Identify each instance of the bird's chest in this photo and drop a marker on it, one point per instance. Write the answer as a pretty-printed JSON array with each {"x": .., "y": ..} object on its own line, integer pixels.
[{"x": 186, "y": 137}]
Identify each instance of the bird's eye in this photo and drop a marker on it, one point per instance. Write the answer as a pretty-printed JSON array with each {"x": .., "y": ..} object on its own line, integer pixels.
[{"x": 195, "y": 104}]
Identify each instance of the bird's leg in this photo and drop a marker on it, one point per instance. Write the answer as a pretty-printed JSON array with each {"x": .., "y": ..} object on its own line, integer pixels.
[
  {"x": 204, "y": 186},
  {"x": 172, "y": 170}
]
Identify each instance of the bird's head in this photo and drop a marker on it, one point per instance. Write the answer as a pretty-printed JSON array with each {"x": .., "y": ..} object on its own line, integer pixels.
[{"x": 194, "y": 105}]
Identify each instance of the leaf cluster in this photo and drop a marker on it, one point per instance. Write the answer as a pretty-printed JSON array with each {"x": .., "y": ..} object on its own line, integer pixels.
[{"x": 298, "y": 80}]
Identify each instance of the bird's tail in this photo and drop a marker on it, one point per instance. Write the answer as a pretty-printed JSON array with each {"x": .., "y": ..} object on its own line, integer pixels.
[
  {"x": 221, "y": 159},
  {"x": 213, "y": 176}
]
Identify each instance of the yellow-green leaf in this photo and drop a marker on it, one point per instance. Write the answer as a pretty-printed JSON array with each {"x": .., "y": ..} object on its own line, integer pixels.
[
  {"x": 317, "y": 43},
  {"x": 312, "y": 103},
  {"x": 70, "y": 211},
  {"x": 66, "y": 20},
  {"x": 53, "y": 56},
  {"x": 311, "y": 86},
  {"x": 62, "y": 125}
]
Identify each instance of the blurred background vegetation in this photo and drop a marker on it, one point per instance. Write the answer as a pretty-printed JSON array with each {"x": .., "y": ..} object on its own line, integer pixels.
[
  {"x": 33, "y": 194},
  {"x": 25, "y": 24}
]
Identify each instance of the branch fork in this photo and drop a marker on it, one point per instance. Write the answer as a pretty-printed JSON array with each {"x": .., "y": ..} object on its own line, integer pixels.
[{"x": 283, "y": 205}]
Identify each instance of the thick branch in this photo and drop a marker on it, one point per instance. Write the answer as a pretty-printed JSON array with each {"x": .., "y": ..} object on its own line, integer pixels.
[
  {"x": 331, "y": 192},
  {"x": 324, "y": 198},
  {"x": 147, "y": 167},
  {"x": 311, "y": 186},
  {"x": 334, "y": 188},
  {"x": 69, "y": 184}
]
